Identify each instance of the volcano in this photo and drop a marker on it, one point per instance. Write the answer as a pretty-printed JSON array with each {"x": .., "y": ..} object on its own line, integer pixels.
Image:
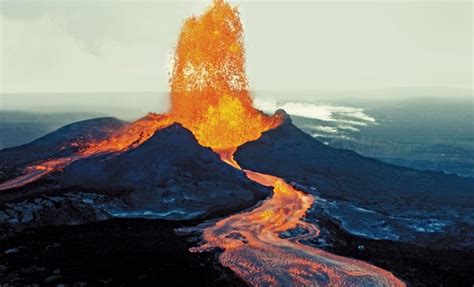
[{"x": 252, "y": 186}]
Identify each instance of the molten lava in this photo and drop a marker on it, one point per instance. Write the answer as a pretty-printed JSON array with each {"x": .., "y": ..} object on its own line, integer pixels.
[
  {"x": 209, "y": 89},
  {"x": 254, "y": 250},
  {"x": 129, "y": 137},
  {"x": 121, "y": 140}
]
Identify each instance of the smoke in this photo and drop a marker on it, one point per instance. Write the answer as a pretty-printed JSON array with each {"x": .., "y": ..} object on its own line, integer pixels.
[
  {"x": 328, "y": 113},
  {"x": 338, "y": 121},
  {"x": 325, "y": 129}
]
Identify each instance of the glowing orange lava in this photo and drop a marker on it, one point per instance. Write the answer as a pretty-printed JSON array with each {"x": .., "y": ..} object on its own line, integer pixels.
[
  {"x": 129, "y": 137},
  {"x": 254, "y": 250},
  {"x": 35, "y": 172},
  {"x": 209, "y": 89}
]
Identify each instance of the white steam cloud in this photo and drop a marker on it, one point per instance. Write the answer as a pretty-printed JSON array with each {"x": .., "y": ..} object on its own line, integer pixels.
[{"x": 340, "y": 120}]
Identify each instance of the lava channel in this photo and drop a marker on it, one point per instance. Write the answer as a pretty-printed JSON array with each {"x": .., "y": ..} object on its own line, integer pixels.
[{"x": 253, "y": 249}]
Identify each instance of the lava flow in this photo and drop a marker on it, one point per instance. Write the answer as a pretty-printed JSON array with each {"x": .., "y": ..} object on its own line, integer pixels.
[
  {"x": 35, "y": 172},
  {"x": 129, "y": 137},
  {"x": 126, "y": 138},
  {"x": 210, "y": 97},
  {"x": 254, "y": 250}
]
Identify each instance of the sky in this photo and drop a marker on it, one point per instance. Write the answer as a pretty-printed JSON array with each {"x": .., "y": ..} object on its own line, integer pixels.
[{"x": 111, "y": 46}]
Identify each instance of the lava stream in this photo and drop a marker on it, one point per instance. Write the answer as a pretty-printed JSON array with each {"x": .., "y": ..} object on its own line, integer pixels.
[
  {"x": 130, "y": 136},
  {"x": 253, "y": 249},
  {"x": 35, "y": 172}
]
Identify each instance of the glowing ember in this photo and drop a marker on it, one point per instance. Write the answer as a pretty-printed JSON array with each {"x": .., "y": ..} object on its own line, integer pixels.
[{"x": 209, "y": 89}]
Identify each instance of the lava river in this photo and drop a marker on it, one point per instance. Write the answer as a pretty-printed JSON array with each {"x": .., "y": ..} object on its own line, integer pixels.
[{"x": 253, "y": 249}]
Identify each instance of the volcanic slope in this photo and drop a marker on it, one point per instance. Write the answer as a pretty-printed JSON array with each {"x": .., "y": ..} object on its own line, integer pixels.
[
  {"x": 61, "y": 143},
  {"x": 170, "y": 175},
  {"x": 339, "y": 174}
]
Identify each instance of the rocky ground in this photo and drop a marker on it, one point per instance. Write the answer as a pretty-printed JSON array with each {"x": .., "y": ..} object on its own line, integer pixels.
[
  {"x": 140, "y": 252},
  {"x": 55, "y": 208},
  {"x": 118, "y": 252},
  {"x": 416, "y": 265}
]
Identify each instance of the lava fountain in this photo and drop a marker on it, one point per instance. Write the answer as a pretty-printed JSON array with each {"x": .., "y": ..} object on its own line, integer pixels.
[{"x": 209, "y": 88}]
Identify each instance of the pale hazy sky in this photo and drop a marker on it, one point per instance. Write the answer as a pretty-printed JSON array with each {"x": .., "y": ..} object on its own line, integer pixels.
[{"x": 95, "y": 46}]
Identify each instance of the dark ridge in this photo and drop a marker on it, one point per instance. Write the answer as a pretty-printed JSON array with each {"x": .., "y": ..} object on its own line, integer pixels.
[
  {"x": 170, "y": 171},
  {"x": 56, "y": 144},
  {"x": 415, "y": 265},
  {"x": 294, "y": 155}
]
